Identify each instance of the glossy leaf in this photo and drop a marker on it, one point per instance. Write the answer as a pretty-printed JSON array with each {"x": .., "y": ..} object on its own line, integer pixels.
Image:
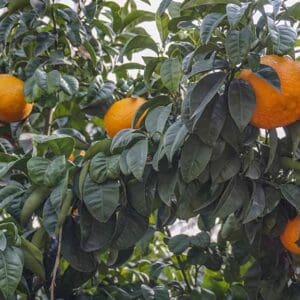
[
  {"x": 102, "y": 199},
  {"x": 241, "y": 102}
]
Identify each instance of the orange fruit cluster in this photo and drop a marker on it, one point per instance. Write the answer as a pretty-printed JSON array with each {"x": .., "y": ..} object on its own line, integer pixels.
[
  {"x": 276, "y": 108},
  {"x": 13, "y": 106},
  {"x": 120, "y": 115}
]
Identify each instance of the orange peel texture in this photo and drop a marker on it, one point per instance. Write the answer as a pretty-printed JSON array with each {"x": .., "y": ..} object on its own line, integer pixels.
[
  {"x": 276, "y": 108},
  {"x": 291, "y": 235},
  {"x": 120, "y": 115},
  {"x": 13, "y": 106}
]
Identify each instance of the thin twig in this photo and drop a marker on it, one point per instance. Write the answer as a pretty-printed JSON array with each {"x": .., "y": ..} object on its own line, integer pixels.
[
  {"x": 48, "y": 121},
  {"x": 54, "y": 24},
  {"x": 56, "y": 266},
  {"x": 197, "y": 268}
]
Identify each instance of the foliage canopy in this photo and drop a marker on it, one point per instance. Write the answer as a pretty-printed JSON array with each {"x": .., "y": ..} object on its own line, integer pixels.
[{"x": 99, "y": 226}]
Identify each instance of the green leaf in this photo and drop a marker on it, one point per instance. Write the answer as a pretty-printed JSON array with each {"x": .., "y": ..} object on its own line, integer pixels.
[
  {"x": 130, "y": 228},
  {"x": 138, "y": 16},
  {"x": 273, "y": 197},
  {"x": 163, "y": 6},
  {"x": 6, "y": 167},
  {"x": 123, "y": 163},
  {"x": 96, "y": 147},
  {"x": 235, "y": 12},
  {"x": 39, "y": 6},
  {"x": 201, "y": 240},
  {"x": 56, "y": 171},
  {"x": 203, "y": 92},
  {"x": 294, "y": 130},
  {"x": 136, "y": 158},
  {"x": 210, "y": 124},
  {"x": 157, "y": 118},
  {"x": 270, "y": 75},
  {"x": 95, "y": 235},
  {"x": 234, "y": 197},
  {"x": 149, "y": 105},
  {"x": 129, "y": 66},
  {"x": 294, "y": 11},
  {"x": 179, "y": 243},
  {"x": 162, "y": 22},
  {"x": 101, "y": 200},
  {"x": 161, "y": 293},
  {"x": 151, "y": 66},
  {"x": 209, "y": 24},
  {"x": 11, "y": 267},
  {"x": 124, "y": 138},
  {"x": 79, "y": 260},
  {"x": 241, "y": 102},
  {"x": 100, "y": 91},
  {"x": 80, "y": 140},
  {"x": 40, "y": 77},
  {"x": 237, "y": 44},
  {"x": 174, "y": 138},
  {"x": 147, "y": 292},
  {"x": 33, "y": 258},
  {"x": 53, "y": 81},
  {"x": 194, "y": 158},
  {"x": 104, "y": 167},
  {"x": 138, "y": 43},
  {"x": 37, "y": 167},
  {"x": 171, "y": 73},
  {"x": 291, "y": 193},
  {"x": 44, "y": 40},
  {"x": 58, "y": 143},
  {"x": 3, "y": 241},
  {"x": 50, "y": 217},
  {"x": 69, "y": 84},
  {"x": 257, "y": 204},
  {"x": 138, "y": 195},
  {"x": 283, "y": 37},
  {"x": 45, "y": 172},
  {"x": 239, "y": 292},
  {"x": 58, "y": 194},
  {"x": 204, "y": 64},
  {"x": 166, "y": 185},
  {"x": 273, "y": 148},
  {"x": 90, "y": 49},
  {"x": 187, "y": 4},
  {"x": 225, "y": 167}
]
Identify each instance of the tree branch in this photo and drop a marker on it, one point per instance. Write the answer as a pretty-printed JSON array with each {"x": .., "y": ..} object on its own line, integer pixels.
[{"x": 56, "y": 266}]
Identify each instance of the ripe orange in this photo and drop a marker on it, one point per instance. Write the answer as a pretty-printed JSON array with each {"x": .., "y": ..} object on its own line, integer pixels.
[
  {"x": 13, "y": 106},
  {"x": 291, "y": 235},
  {"x": 276, "y": 108},
  {"x": 120, "y": 115}
]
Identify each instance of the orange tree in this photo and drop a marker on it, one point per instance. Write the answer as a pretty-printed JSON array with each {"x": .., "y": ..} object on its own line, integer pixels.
[{"x": 88, "y": 215}]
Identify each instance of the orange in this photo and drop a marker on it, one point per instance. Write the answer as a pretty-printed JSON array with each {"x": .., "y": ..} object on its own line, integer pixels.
[
  {"x": 72, "y": 157},
  {"x": 120, "y": 115},
  {"x": 291, "y": 235},
  {"x": 13, "y": 106},
  {"x": 276, "y": 108}
]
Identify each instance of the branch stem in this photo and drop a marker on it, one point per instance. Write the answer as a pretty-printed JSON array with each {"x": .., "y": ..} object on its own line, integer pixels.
[{"x": 56, "y": 266}]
